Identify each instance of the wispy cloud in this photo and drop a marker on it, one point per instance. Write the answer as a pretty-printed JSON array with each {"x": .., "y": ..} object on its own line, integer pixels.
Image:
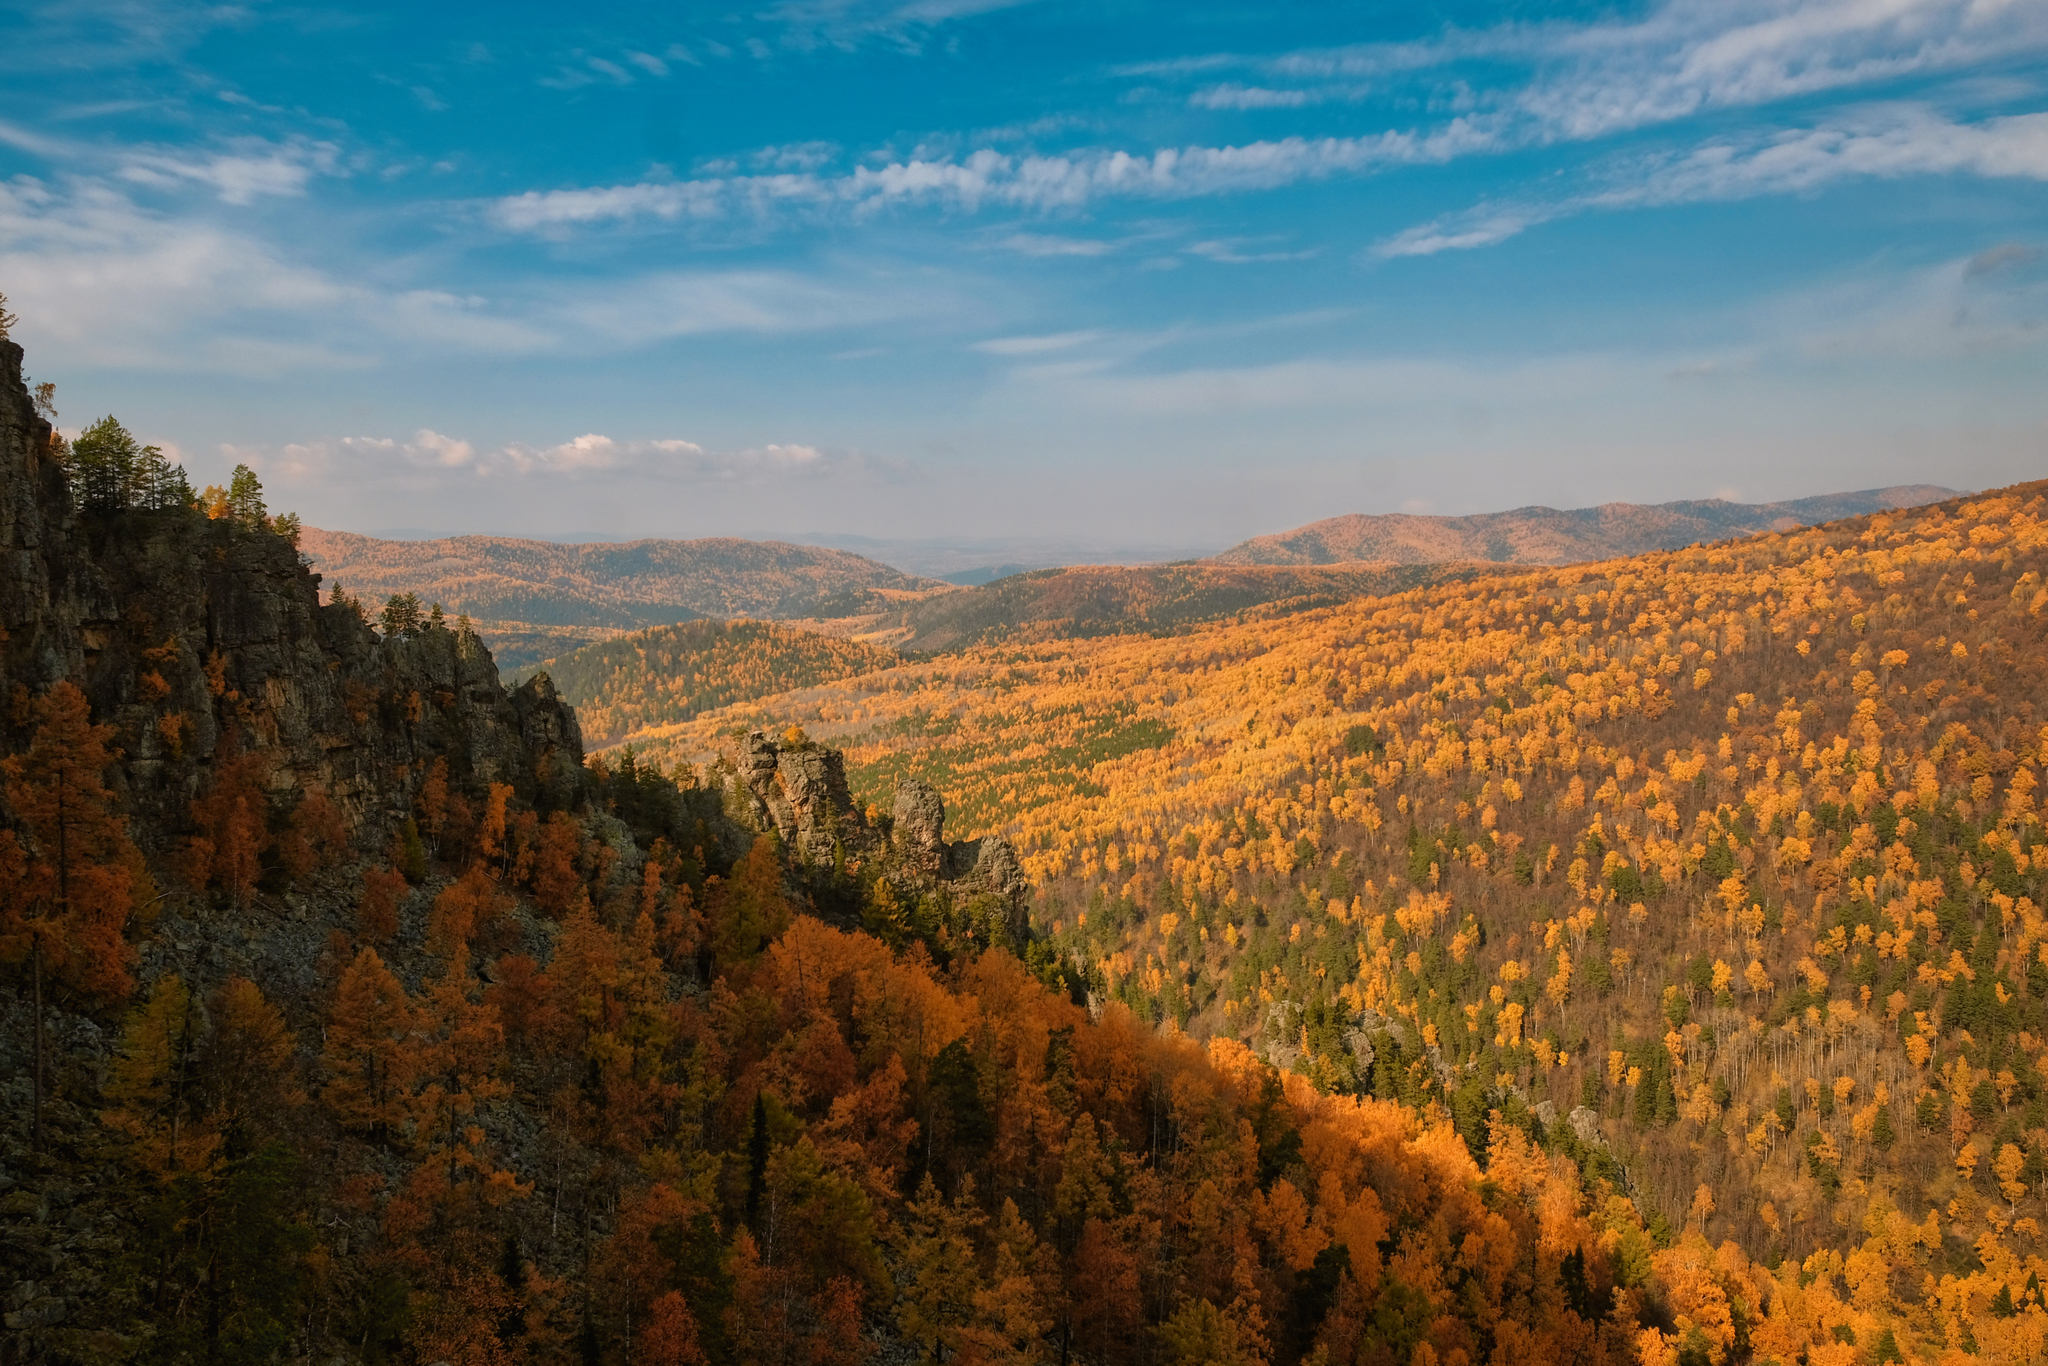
[
  {"x": 1238, "y": 251},
  {"x": 249, "y": 169},
  {"x": 1570, "y": 81},
  {"x": 430, "y": 458},
  {"x": 989, "y": 177},
  {"x": 1231, "y": 96},
  {"x": 1883, "y": 143},
  {"x": 1042, "y": 245},
  {"x": 848, "y": 23},
  {"x": 1035, "y": 346}
]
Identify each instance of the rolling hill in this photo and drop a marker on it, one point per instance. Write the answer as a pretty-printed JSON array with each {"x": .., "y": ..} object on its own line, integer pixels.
[
  {"x": 669, "y": 674},
  {"x": 1718, "y": 870},
  {"x": 1541, "y": 535},
  {"x": 1085, "y": 601},
  {"x": 532, "y": 600}
]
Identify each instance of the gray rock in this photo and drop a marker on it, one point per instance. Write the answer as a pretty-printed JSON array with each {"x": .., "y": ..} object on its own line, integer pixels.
[
  {"x": 229, "y": 627},
  {"x": 919, "y": 832},
  {"x": 46, "y": 1311},
  {"x": 1586, "y": 1124}
]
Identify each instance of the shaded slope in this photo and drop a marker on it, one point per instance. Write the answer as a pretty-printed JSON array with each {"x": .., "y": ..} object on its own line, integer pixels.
[
  {"x": 668, "y": 674},
  {"x": 1540, "y": 535}
]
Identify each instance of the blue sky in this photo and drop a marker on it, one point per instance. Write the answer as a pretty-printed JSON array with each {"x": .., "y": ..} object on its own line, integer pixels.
[{"x": 1171, "y": 274}]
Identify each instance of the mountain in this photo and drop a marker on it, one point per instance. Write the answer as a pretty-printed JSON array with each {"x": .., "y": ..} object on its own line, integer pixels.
[
  {"x": 666, "y": 675},
  {"x": 1633, "y": 962},
  {"x": 947, "y": 557},
  {"x": 1540, "y": 535},
  {"x": 1723, "y": 867},
  {"x": 345, "y": 1015},
  {"x": 532, "y": 600},
  {"x": 1084, "y": 601}
]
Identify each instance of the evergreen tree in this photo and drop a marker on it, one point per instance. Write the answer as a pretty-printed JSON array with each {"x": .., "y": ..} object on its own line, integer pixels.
[
  {"x": 245, "y": 498},
  {"x": 105, "y": 464},
  {"x": 401, "y": 618},
  {"x": 66, "y": 897}
]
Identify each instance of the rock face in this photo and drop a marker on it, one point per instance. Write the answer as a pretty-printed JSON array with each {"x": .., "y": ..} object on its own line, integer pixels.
[
  {"x": 919, "y": 828},
  {"x": 194, "y": 635},
  {"x": 800, "y": 792}
]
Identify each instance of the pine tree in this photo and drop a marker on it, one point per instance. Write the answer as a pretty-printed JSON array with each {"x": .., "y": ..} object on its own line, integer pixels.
[
  {"x": 245, "y": 498},
  {"x": 106, "y": 462},
  {"x": 401, "y": 619},
  {"x": 66, "y": 898}
]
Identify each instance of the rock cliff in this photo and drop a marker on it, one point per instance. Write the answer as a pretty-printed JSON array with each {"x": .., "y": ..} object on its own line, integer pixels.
[
  {"x": 800, "y": 792},
  {"x": 192, "y": 634}
]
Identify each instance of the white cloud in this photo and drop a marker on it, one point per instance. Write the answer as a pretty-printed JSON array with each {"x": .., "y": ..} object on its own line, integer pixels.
[
  {"x": 254, "y": 168},
  {"x": 1236, "y": 251},
  {"x": 1038, "y": 244},
  {"x": 1682, "y": 57},
  {"x": 431, "y": 460},
  {"x": 1577, "y": 82},
  {"x": 762, "y": 301},
  {"x": 101, "y": 280},
  {"x": 848, "y": 23},
  {"x": 443, "y": 450},
  {"x": 1229, "y": 96},
  {"x": 1035, "y": 346},
  {"x": 991, "y": 177},
  {"x": 1883, "y": 143}
]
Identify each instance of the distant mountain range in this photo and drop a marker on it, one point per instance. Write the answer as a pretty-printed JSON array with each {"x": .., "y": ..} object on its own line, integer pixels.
[
  {"x": 532, "y": 600},
  {"x": 536, "y": 601},
  {"x": 1540, "y": 535},
  {"x": 1081, "y": 601}
]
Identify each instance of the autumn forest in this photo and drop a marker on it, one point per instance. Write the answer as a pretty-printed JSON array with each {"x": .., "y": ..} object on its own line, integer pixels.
[{"x": 1637, "y": 961}]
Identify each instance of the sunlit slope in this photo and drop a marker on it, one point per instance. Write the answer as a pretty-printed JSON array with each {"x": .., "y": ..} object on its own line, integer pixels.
[
  {"x": 1716, "y": 842},
  {"x": 1541, "y": 535},
  {"x": 534, "y": 600}
]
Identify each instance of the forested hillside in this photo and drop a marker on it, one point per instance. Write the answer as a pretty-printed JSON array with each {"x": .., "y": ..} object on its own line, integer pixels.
[
  {"x": 1086, "y": 601},
  {"x": 666, "y": 675},
  {"x": 533, "y": 600},
  {"x": 1540, "y": 535},
  {"x": 347, "y": 1016},
  {"x": 1637, "y": 962},
  {"x": 1732, "y": 847}
]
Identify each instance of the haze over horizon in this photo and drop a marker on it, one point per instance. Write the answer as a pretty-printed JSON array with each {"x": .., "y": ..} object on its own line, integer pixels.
[{"x": 1121, "y": 274}]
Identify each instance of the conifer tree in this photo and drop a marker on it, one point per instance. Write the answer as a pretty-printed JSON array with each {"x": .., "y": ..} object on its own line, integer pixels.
[
  {"x": 66, "y": 896},
  {"x": 245, "y": 498},
  {"x": 106, "y": 462},
  {"x": 369, "y": 1059}
]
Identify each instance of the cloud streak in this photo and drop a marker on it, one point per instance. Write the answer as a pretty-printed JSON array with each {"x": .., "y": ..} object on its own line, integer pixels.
[
  {"x": 432, "y": 459},
  {"x": 1887, "y": 143},
  {"x": 991, "y": 178}
]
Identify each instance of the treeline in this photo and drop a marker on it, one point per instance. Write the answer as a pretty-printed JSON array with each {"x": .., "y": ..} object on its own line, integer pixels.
[{"x": 112, "y": 472}]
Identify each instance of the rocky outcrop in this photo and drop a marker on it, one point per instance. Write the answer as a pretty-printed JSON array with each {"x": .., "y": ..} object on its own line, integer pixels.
[
  {"x": 800, "y": 792},
  {"x": 919, "y": 828},
  {"x": 194, "y": 635}
]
